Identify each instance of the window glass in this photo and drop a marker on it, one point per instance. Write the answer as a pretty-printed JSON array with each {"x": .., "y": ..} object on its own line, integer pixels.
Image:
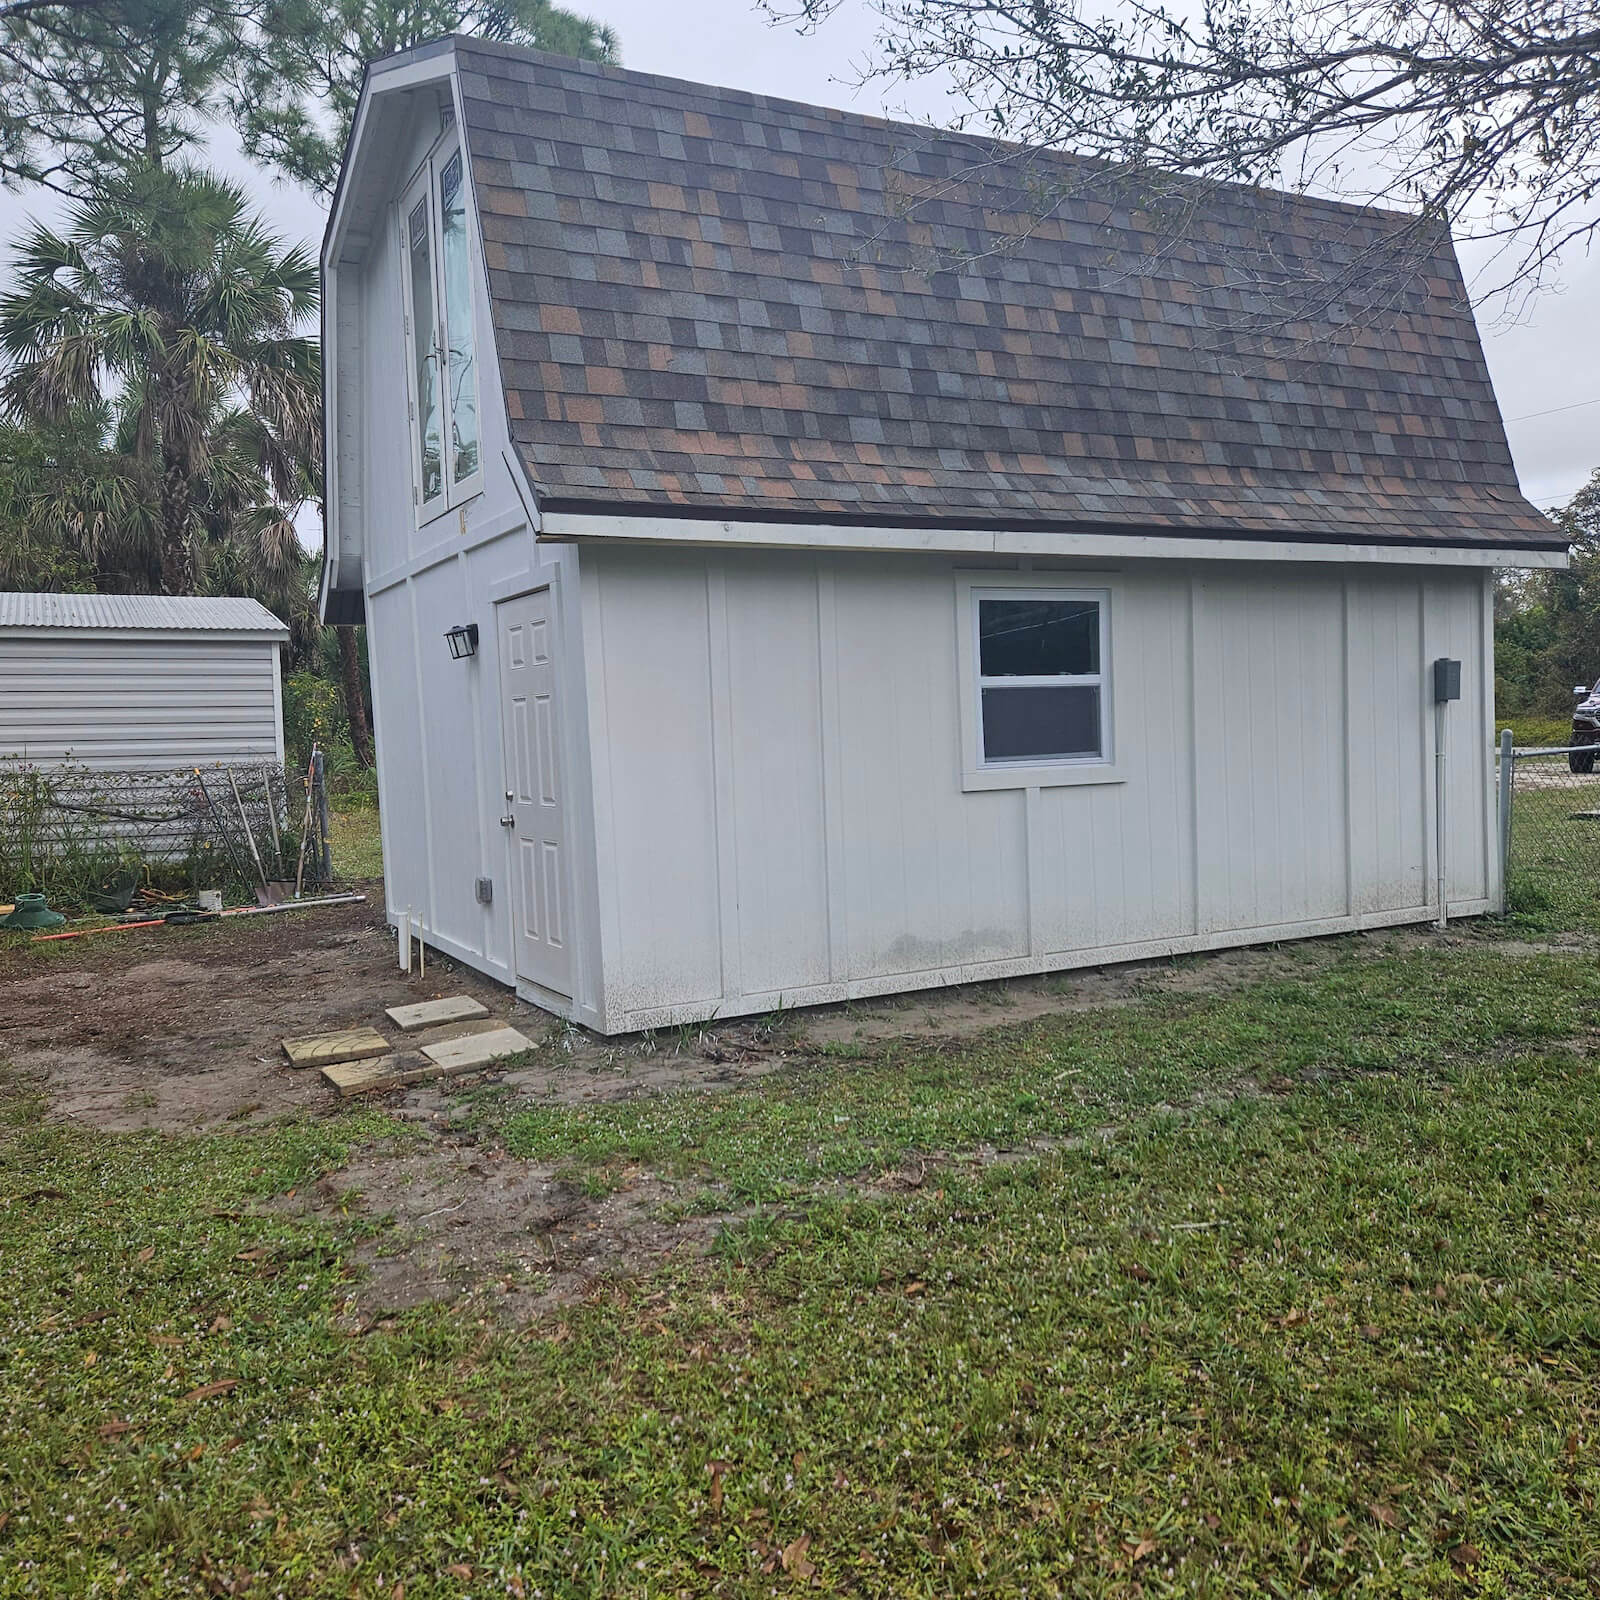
[
  {"x": 429, "y": 436},
  {"x": 1041, "y": 683},
  {"x": 460, "y": 364},
  {"x": 1038, "y": 638},
  {"x": 1041, "y": 723}
]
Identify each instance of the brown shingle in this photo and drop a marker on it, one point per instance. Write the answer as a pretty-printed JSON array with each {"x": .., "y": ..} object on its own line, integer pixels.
[{"x": 797, "y": 311}]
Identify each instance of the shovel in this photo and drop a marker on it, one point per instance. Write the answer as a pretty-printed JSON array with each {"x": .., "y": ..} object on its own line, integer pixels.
[{"x": 269, "y": 894}]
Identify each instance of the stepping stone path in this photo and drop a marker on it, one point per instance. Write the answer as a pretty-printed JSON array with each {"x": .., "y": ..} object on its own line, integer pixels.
[
  {"x": 429, "y": 1013},
  {"x": 477, "y": 1049},
  {"x": 324, "y": 1049},
  {"x": 361, "y": 1061}
]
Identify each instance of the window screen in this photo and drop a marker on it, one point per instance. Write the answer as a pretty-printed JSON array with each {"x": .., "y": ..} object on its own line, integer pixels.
[{"x": 1041, "y": 679}]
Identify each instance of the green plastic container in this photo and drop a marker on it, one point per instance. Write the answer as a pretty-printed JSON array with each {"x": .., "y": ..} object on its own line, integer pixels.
[{"x": 30, "y": 911}]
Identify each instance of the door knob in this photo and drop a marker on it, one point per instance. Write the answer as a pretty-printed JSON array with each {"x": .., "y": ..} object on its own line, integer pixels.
[{"x": 508, "y": 822}]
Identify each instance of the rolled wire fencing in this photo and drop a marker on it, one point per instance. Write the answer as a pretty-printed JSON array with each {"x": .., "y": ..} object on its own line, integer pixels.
[{"x": 87, "y": 839}]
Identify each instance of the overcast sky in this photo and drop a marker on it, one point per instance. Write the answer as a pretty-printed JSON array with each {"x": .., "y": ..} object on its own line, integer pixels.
[{"x": 1544, "y": 362}]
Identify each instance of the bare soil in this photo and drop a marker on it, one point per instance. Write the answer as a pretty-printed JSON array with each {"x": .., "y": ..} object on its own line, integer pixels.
[{"x": 180, "y": 1029}]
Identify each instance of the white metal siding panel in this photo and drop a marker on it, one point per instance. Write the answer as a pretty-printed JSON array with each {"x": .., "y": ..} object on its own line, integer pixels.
[
  {"x": 774, "y": 774},
  {"x": 784, "y": 799},
  {"x": 663, "y": 867},
  {"x": 933, "y": 878},
  {"x": 112, "y": 702},
  {"x": 1389, "y": 820},
  {"x": 1269, "y": 674}
]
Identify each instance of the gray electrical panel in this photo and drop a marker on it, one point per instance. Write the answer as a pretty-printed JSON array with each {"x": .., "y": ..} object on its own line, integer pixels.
[
  {"x": 485, "y": 888},
  {"x": 1446, "y": 680}
]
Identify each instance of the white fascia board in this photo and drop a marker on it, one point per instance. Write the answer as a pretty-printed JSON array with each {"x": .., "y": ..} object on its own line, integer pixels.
[
  {"x": 611, "y": 529},
  {"x": 381, "y": 80}
]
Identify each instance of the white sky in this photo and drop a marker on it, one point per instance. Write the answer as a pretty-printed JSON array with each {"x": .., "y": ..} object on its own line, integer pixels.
[{"x": 1544, "y": 363}]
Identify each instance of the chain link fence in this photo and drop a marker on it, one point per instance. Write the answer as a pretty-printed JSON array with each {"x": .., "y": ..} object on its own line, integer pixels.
[
  {"x": 1550, "y": 834},
  {"x": 96, "y": 841}
]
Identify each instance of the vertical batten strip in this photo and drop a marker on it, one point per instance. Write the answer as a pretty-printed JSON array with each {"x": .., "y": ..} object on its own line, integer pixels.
[
  {"x": 723, "y": 781},
  {"x": 828, "y": 719}
]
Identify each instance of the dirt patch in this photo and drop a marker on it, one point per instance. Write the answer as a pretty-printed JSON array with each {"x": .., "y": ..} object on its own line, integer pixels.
[
  {"x": 470, "y": 1224},
  {"x": 181, "y": 1028}
]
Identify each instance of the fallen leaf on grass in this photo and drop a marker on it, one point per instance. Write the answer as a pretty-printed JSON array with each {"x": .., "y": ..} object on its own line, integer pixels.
[
  {"x": 1464, "y": 1556},
  {"x": 1387, "y": 1515},
  {"x": 1290, "y": 1319},
  {"x": 259, "y": 1253},
  {"x": 716, "y": 1469},
  {"x": 92, "y": 1357},
  {"x": 209, "y": 1391},
  {"x": 459, "y": 1569},
  {"x": 42, "y": 1194},
  {"x": 167, "y": 1341},
  {"x": 110, "y": 1430},
  {"x": 1138, "y": 1552},
  {"x": 795, "y": 1561},
  {"x": 1139, "y": 1272},
  {"x": 148, "y": 1253}
]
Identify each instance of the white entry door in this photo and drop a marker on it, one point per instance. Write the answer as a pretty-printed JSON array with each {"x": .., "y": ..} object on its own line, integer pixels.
[{"x": 534, "y": 815}]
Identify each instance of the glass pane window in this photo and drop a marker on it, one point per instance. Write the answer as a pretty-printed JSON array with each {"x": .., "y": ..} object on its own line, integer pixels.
[
  {"x": 430, "y": 441},
  {"x": 1042, "y": 724},
  {"x": 460, "y": 364},
  {"x": 1038, "y": 638},
  {"x": 1041, "y": 678}
]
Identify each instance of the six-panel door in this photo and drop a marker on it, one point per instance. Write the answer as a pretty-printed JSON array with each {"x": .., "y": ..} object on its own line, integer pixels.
[{"x": 534, "y": 814}]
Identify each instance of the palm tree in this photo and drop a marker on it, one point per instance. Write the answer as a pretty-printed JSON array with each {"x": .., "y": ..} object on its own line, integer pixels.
[
  {"x": 170, "y": 303},
  {"x": 75, "y": 510}
]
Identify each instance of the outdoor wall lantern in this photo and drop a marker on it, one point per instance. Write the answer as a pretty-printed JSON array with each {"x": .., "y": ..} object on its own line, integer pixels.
[{"x": 463, "y": 641}]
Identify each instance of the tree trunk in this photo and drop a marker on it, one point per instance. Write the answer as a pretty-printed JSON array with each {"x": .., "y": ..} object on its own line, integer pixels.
[
  {"x": 355, "y": 699},
  {"x": 175, "y": 564}
]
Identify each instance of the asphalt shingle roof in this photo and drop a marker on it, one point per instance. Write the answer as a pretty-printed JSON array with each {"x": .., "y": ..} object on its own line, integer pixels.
[{"x": 709, "y": 302}]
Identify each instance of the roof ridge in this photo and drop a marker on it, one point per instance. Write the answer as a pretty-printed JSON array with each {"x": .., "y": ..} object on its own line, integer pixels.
[{"x": 615, "y": 72}]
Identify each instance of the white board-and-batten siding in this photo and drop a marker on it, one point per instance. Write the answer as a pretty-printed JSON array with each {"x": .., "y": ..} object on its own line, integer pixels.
[
  {"x": 140, "y": 700},
  {"x": 777, "y": 748}
]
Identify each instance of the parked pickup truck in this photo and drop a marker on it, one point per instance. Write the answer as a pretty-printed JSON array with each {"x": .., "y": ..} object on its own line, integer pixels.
[{"x": 1585, "y": 727}]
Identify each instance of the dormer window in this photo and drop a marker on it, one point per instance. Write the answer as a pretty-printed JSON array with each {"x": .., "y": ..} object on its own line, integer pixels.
[{"x": 440, "y": 337}]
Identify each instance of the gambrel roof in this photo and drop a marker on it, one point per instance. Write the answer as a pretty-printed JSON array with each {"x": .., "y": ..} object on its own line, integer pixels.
[{"x": 717, "y": 304}]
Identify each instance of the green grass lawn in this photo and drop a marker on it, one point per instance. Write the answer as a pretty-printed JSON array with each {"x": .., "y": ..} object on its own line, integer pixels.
[
  {"x": 354, "y": 839},
  {"x": 1307, "y": 1302},
  {"x": 1554, "y": 879}
]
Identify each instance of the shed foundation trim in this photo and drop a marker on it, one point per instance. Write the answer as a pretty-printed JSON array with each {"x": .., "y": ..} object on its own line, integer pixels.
[{"x": 990, "y": 971}]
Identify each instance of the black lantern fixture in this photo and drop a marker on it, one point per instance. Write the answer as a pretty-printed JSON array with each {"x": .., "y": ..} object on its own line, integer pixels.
[{"x": 463, "y": 640}]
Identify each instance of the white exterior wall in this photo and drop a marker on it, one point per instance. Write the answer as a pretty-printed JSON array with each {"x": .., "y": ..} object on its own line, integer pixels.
[
  {"x": 441, "y": 767},
  {"x": 132, "y": 701},
  {"x": 777, "y": 759}
]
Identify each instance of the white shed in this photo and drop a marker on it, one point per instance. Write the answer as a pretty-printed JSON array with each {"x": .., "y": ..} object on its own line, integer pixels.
[
  {"x": 138, "y": 682},
  {"x": 856, "y": 582}
]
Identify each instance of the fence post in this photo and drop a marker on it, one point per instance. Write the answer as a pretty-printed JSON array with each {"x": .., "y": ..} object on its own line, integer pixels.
[
  {"x": 319, "y": 766},
  {"x": 1508, "y": 764}
]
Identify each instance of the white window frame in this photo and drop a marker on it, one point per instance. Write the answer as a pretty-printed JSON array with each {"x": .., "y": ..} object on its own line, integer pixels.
[
  {"x": 424, "y": 184},
  {"x": 977, "y": 773}
]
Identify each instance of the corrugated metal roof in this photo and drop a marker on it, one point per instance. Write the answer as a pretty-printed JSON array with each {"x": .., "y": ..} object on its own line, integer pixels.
[{"x": 141, "y": 612}]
